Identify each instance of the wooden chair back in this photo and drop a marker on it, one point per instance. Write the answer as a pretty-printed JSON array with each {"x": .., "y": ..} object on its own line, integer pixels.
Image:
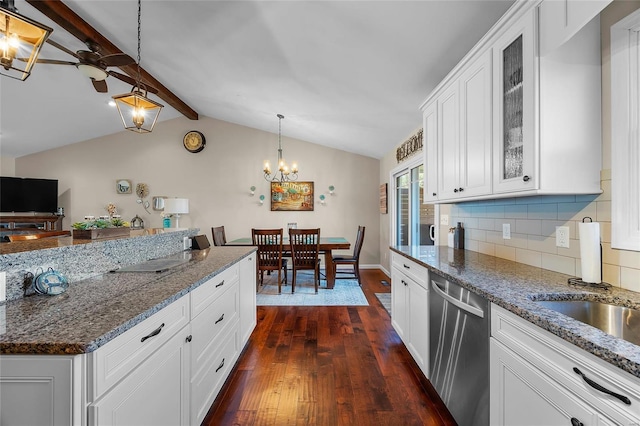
[
  {"x": 359, "y": 241},
  {"x": 305, "y": 247},
  {"x": 269, "y": 243},
  {"x": 219, "y": 237}
]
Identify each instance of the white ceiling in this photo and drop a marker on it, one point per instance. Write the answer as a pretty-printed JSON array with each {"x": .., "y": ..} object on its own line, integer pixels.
[{"x": 346, "y": 74}]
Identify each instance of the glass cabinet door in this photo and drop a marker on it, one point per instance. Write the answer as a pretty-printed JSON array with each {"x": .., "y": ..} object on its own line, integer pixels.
[{"x": 514, "y": 108}]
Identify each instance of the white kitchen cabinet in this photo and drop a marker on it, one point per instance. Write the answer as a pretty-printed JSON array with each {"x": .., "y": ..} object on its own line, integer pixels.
[
  {"x": 155, "y": 393},
  {"x": 41, "y": 390},
  {"x": 541, "y": 114},
  {"x": 533, "y": 381},
  {"x": 248, "y": 312},
  {"x": 562, "y": 19},
  {"x": 410, "y": 308},
  {"x": 430, "y": 147}
]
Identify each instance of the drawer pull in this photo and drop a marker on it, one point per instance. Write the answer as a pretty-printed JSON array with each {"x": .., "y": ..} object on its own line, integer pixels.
[
  {"x": 153, "y": 333},
  {"x": 221, "y": 284},
  {"x": 576, "y": 422},
  {"x": 220, "y": 319},
  {"x": 407, "y": 267},
  {"x": 601, "y": 388},
  {"x": 403, "y": 282},
  {"x": 188, "y": 339},
  {"x": 220, "y": 366}
]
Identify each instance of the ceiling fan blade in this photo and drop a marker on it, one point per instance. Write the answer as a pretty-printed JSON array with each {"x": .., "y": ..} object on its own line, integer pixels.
[
  {"x": 64, "y": 49},
  {"x": 54, "y": 62},
  {"x": 117, "y": 60},
  {"x": 99, "y": 85},
  {"x": 131, "y": 81}
]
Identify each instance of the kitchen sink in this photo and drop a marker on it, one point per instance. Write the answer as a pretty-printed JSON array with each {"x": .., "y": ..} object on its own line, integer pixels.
[{"x": 619, "y": 321}]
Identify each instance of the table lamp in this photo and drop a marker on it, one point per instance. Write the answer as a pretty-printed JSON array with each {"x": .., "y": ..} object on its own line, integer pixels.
[{"x": 176, "y": 207}]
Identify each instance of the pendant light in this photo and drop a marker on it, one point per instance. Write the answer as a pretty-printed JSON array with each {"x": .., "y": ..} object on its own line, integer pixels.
[
  {"x": 21, "y": 39},
  {"x": 283, "y": 174},
  {"x": 138, "y": 112}
]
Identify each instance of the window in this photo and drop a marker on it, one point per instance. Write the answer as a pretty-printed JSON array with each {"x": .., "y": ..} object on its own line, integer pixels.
[{"x": 413, "y": 220}]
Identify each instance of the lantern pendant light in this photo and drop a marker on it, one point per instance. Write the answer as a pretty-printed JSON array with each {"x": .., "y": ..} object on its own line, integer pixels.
[
  {"x": 138, "y": 112},
  {"x": 21, "y": 39}
]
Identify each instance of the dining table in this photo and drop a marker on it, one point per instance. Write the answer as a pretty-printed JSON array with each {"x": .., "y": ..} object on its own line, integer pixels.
[{"x": 327, "y": 244}]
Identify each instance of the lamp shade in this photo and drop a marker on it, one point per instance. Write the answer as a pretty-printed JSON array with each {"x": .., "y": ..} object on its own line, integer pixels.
[
  {"x": 139, "y": 113},
  {"x": 20, "y": 41},
  {"x": 176, "y": 205}
]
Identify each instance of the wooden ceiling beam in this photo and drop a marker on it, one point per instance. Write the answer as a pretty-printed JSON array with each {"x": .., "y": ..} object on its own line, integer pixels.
[{"x": 66, "y": 18}]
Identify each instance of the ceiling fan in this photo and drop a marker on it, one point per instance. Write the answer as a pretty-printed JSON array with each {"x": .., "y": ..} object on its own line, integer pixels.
[{"x": 94, "y": 65}]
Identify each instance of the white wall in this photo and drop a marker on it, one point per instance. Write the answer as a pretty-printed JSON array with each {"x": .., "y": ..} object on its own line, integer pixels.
[
  {"x": 216, "y": 181},
  {"x": 7, "y": 166}
]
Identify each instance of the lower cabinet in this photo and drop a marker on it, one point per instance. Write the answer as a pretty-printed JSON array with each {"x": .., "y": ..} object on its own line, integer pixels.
[
  {"x": 248, "y": 312},
  {"x": 534, "y": 380},
  {"x": 410, "y": 308},
  {"x": 155, "y": 393}
]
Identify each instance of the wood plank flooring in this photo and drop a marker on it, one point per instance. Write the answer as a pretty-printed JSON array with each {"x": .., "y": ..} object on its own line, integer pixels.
[{"x": 329, "y": 365}]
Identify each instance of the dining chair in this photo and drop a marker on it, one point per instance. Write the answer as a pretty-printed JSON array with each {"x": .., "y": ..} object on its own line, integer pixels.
[
  {"x": 269, "y": 243},
  {"x": 219, "y": 237},
  {"x": 305, "y": 250},
  {"x": 353, "y": 260}
]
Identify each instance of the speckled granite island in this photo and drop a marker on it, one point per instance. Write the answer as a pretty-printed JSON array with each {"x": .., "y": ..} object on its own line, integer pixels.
[
  {"x": 93, "y": 354},
  {"x": 544, "y": 366}
]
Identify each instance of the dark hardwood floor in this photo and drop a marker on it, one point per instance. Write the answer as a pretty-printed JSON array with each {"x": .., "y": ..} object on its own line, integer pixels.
[{"x": 329, "y": 365}]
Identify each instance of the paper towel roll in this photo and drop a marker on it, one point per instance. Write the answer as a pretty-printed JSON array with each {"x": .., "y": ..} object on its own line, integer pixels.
[{"x": 590, "y": 262}]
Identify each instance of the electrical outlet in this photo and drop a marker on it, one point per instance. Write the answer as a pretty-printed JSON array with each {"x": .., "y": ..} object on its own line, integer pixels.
[
  {"x": 444, "y": 219},
  {"x": 562, "y": 236},
  {"x": 506, "y": 231},
  {"x": 3, "y": 286},
  {"x": 186, "y": 243}
]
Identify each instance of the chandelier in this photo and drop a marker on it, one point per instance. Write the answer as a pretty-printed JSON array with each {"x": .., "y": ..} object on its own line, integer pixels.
[
  {"x": 283, "y": 174},
  {"x": 138, "y": 112}
]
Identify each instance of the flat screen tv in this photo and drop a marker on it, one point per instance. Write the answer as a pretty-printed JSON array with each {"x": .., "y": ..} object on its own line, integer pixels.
[{"x": 22, "y": 195}]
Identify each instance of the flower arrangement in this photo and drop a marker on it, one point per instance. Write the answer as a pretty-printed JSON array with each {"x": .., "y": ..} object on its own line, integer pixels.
[{"x": 101, "y": 224}]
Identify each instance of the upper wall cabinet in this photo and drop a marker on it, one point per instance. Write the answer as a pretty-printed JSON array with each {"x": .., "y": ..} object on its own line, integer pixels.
[{"x": 510, "y": 122}]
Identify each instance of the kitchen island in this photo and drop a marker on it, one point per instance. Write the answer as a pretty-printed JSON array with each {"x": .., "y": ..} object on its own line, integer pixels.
[{"x": 92, "y": 354}]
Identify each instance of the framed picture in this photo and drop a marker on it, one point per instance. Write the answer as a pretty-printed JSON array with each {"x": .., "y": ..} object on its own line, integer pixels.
[
  {"x": 383, "y": 198},
  {"x": 292, "y": 196},
  {"x": 123, "y": 186}
]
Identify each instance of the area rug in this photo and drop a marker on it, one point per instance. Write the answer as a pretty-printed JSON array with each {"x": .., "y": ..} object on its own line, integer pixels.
[
  {"x": 345, "y": 293},
  {"x": 385, "y": 299}
]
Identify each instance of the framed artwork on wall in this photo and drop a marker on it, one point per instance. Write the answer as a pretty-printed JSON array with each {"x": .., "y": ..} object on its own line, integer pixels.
[
  {"x": 383, "y": 198},
  {"x": 292, "y": 196},
  {"x": 123, "y": 186}
]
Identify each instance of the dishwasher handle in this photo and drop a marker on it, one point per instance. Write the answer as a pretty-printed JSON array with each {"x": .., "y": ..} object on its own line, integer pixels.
[{"x": 465, "y": 307}]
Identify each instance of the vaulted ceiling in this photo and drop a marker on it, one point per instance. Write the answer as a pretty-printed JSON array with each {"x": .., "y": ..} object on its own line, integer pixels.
[{"x": 346, "y": 74}]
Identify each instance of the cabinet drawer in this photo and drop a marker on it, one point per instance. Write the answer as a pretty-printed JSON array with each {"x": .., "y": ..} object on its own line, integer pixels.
[
  {"x": 558, "y": 358},
  {"x": 410, "y": 268},
  {"x": 207, "y": 293},
  {"x": 207, "y": 326},
  {"x": 120, "y": 356},
  {"x": 206, "y": 385}
]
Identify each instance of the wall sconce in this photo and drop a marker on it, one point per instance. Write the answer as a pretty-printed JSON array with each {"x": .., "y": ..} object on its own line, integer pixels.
[
  {"x": 261, "y": 199},
  {"x": 331, "y": 189},
  {"x": 176, "y": 207},
  {"x": 252, "y": 190},
  {"x": 20, "y": 39},
  {"x": 322, "y": 199}
]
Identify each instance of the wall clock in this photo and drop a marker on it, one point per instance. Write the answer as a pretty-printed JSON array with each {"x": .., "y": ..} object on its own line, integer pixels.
[{"x": 194, "y": 141}]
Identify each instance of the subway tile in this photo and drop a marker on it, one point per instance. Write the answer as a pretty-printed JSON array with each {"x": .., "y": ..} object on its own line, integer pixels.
[
  {"x": 504, "y": 201},
  {"x": 494, "y": 237},
  {"x": 542, "y": 211},
  {"x": 629, "y": 259},
  {"x": 495, "y": 211},
  {"x": 486, "y": 224},
  {"x": 609, "y": 255},
  {"x": 606, "y": 191},
  {"x": 471, "y": 245},
  {"x": 529, "y": 257},
  {"x": 476, "y": 234},
  {"x": 605, "y": 174},
  {"x": 573, "y": 250},
  {"x": 505, "y": 252},
  {"x": 517, "y": 240},
  {"x": 549, "y": 227},
  {"x": 564, "y": 265},
  {"x": 603, "y": 209},
  {"x": 630, "y": 278},
  {"x": 610, "y": 274},
  {"x": 542, "y": 244},
  {"x": 497, "y": 226},
  {"x": 605, "y": 232},
  {"x": 586, "y": 198},
  {"x": 486, "y": 248},
  {"x": 469, "y": 222},
  {"x": 528, "y": 200},
  {"x": 515, "y": 211},
  {"x": 479, "y": 211},
  {"x": 576, "y": 211},
  {"x": 548, "y": 199},
  {"x": 528, "y": 226}
]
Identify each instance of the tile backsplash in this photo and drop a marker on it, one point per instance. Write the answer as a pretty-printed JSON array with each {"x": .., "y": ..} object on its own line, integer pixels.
[{"x": 533, "y": 222}]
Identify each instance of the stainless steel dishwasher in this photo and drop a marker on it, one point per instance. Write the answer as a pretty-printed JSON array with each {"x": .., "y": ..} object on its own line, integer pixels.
[{"x": 459, "y": 350}]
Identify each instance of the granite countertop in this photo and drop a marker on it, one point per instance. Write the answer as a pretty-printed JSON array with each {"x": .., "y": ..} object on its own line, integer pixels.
[
  {"x": 94, "y": 311},
  {"x": 515, "y": 286}
]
